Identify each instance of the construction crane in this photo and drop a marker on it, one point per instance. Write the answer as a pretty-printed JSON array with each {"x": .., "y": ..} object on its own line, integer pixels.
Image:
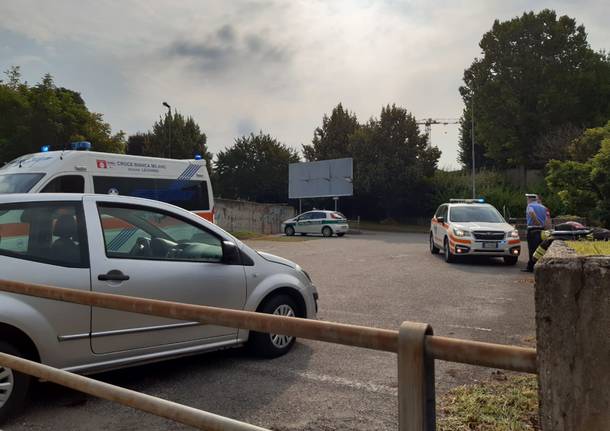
[{"x": 427, "y": 123}]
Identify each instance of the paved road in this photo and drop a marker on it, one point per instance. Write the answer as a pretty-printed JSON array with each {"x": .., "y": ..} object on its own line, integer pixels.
[{"x": 375, "y": 279}]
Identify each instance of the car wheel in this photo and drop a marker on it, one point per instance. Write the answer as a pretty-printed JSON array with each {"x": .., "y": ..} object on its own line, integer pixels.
[
  {"x": 14, "y": 386},
  {"x": 433, "y": 248},
  {"x": 340, "y": 234},
  {"x": 274, "y": 345},
  {"x": 511, "y": 260},
  {"x": 327, "y": 232},
  {"x": 449, "y": 257},
  {"x": 289, "y": 230}
]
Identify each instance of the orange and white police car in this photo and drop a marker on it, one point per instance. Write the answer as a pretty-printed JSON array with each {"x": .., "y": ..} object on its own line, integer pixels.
[{"x": 473, "y": 227}]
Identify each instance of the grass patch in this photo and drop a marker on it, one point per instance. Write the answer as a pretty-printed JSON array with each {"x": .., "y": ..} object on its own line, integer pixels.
[
  {"x": 253, "y": 236},
  {"x": 390, "y": 227},
  {"x": 588, "y": 248},
  {"x": 246, "y": 235},
  {"x": 509, "y": 405}
]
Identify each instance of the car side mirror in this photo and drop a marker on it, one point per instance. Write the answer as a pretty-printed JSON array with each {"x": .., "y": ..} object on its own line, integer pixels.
[
  {"x": 230, "y": 253},
  {"x": 440, "y": 219}
]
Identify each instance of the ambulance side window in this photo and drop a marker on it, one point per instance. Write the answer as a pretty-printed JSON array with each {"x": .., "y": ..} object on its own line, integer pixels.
[{"x": 65, "y": 184}]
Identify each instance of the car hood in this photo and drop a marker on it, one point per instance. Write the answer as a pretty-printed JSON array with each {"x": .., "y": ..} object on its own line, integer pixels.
[
  {"x": 276, "y": 259},
  {"x": 290, "y": 220},
  {"x": 504, "y": 227}
]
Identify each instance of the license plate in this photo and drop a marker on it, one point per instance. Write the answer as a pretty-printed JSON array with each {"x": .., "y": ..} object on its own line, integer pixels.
[{"x": 490, "y": 245}]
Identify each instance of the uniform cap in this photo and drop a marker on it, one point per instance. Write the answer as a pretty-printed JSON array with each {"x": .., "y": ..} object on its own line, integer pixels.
[{"x": 531, "y": 195}]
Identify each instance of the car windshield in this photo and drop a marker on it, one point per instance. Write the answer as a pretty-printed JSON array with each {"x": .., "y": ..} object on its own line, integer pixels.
[
  {"x": 18, "y": 183},
  {"x": 475, "y": 214}
]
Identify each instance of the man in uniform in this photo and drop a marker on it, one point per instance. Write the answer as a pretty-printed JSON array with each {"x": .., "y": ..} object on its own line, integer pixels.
[{"x": 536, "y": 215}]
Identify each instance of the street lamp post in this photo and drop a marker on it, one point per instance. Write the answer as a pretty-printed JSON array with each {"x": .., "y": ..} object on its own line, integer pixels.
[
  {"x": 474, "y": 195},
  {"x": 169, "y": 118}
]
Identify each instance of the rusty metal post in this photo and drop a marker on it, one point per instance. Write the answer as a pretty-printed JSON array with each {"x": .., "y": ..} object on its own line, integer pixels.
[{"x": 416, "y": 395}]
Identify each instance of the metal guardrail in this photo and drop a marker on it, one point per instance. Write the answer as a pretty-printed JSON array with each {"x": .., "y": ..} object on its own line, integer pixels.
[
  {"x": 157, "y": 406},
  {"x": 415, "y": 345}
]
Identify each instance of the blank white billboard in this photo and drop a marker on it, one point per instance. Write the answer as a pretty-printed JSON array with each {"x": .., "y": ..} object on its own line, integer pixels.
[{"x": 326, "y": 178}]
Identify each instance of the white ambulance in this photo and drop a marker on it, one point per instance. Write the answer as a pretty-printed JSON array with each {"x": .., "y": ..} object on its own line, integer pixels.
[{"x": 184, "y": 183}]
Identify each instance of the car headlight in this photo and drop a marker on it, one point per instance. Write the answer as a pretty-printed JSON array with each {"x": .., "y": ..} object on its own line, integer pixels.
[
  {"x": 305, "y": 273},
  {"x": 460, "y": 232},
  {"x": 514, "y": 234}
]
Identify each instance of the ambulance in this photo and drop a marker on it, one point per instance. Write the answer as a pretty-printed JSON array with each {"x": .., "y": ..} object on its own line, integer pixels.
[
  {"x": 472, "y": 227},
  {"x": 184, "y": 183}
]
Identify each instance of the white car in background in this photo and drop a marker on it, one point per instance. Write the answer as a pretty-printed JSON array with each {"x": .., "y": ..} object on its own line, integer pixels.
[{"x": 322, "y": 222}]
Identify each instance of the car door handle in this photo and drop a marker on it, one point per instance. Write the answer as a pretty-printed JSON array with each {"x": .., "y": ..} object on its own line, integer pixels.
[{"x": 114, "y": 275}]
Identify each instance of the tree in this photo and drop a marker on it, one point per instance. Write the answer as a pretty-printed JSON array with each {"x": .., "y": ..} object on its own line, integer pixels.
[
  {"x": 392, "y": 163},
  {"x": 44, "y": 114},
  {"x": 584, "y": 186},
  {"x": 255, "y": 168},
  {"x": 331, "y": 141},
  {"x": 187, "y": 139},
  {"x": 537, "y": 73}
]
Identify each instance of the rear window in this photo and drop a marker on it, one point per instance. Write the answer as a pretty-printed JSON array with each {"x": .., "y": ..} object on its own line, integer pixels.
[
  {"x": 18, "y": 183},
  {"x": 188, "y": 194},
  {"x": 337, "y": 216}
]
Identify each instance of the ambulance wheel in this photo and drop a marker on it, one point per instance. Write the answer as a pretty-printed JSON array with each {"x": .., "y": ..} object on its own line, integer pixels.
[
  {"x": 449, "y": 257},
  {"x": 511, "y": 260},
  {"x": 327, "y": 232},
  {"x": 433, "y": 248},
  {"x": 289, "y": 230}
]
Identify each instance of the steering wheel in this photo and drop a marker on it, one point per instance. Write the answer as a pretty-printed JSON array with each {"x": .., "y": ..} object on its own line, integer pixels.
[{"x": 141, "y": 247}]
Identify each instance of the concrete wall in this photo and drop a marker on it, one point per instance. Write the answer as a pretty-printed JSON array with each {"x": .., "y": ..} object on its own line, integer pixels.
[
  {"x": 573, "y": 340},
  {"x": 236, "y": 216}
]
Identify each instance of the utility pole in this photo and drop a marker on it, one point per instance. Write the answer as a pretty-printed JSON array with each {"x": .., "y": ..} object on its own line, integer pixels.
[
  {"x": 169, "y": 123},
  {"x": 474, "y": 194}
]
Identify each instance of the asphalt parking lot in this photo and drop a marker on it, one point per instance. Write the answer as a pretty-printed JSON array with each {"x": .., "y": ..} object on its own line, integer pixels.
[{"x": 374, "y": 279}]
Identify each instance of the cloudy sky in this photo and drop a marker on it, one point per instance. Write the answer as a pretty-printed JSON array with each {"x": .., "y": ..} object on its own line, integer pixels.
[{"x": 243, "y": 66}]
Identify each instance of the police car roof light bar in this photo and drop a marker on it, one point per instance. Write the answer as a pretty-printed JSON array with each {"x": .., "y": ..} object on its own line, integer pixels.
[{"x": 467, "y": 201}]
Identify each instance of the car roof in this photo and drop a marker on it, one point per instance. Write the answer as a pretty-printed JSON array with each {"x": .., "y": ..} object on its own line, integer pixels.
[{"x": 46, "y": 197}]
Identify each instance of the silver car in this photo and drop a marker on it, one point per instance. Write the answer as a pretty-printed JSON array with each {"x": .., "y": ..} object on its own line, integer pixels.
[{"x": 136, "y": 247}]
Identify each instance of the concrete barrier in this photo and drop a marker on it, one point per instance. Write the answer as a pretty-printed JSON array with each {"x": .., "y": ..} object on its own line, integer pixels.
[
  {"x": 233, "y": 215},
  {"x": 573, "y": 340}
]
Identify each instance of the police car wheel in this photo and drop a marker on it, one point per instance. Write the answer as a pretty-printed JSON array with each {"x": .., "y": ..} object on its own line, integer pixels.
[
  {"x": 327, "y": 232},
  {"x": 289, "y": 230},
  {"x": 511, "y": 260},
  {"x": 449, "y": 257},
  {"x": 433, "y": 248}
]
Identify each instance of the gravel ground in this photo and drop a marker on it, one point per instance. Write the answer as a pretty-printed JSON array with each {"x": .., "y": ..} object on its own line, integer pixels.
[{"x": 374, "y": 279}]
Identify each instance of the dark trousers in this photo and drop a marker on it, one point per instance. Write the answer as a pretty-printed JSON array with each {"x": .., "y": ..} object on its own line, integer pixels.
[{"x": 533, "y": 241}]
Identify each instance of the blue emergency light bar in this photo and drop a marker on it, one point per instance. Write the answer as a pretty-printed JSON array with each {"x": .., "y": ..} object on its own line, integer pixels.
[
  {"x": 467, "y": 201},
  {"x": 198, "y": 157},
  {"x": 45, "y": 148}
]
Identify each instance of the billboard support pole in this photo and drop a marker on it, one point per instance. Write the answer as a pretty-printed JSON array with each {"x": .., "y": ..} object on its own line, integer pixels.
[
  {"x": 336, "y": 199},
  {"x": 300, "y": 209}
]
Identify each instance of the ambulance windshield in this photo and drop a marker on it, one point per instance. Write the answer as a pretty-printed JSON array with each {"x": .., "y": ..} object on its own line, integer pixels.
[
  {"x": 18, "y": 183},
  {"x": 472, "y": 214}
]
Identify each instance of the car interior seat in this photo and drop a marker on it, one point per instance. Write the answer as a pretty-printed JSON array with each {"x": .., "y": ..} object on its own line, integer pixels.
[{"x": 65, "y": 248}]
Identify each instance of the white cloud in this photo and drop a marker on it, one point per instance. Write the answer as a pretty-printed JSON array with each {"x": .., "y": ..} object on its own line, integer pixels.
[{"x": 271, "y": 65}]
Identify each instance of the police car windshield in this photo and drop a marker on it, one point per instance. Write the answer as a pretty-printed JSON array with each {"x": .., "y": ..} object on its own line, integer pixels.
[
  {"x": 18, "y": 183},
  {"x": 468, "y": 214}
]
